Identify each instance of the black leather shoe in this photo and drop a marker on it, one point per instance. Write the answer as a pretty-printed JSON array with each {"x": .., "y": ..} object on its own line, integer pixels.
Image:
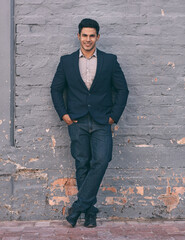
[
  {"x": 90, "y": 220},
  {"x": 73, "y": 216}
]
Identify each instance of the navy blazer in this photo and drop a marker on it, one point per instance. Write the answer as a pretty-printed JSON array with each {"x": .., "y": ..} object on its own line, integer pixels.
[{"x": 98, "y": 101}]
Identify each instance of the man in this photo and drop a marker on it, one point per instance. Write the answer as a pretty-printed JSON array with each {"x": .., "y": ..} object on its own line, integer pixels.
[{"x": 88, "y": 76}]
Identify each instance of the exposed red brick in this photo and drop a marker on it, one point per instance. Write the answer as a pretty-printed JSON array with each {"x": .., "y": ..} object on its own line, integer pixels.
[
  {"x": 171, "y": 200},
  {"x": 140, "y": 190},
  {"x": 181, "y": 141},
  {"x": 63, "y": 210},
  {"x": 115, "y": 200},
  {"x": 69, "y": 184},
  {"x": 179, "y": 190},
  {"x": 71, "y": 190},
  {"x": 57, "y": 200},
  {"x": 131, "y": 190},
  {"x": 112, "y": 189}
]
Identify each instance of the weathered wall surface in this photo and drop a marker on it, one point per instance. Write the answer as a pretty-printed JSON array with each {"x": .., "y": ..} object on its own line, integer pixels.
[{"x": 146, "y": 178}]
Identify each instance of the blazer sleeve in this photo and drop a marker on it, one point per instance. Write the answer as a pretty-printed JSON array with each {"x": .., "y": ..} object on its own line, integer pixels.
[
  {"x": 121, "y": 91},
  {"x": 57, "y": 89}
]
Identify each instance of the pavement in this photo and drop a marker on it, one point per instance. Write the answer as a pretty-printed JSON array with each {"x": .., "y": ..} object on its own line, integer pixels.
[{"x": 105, "y": 230}]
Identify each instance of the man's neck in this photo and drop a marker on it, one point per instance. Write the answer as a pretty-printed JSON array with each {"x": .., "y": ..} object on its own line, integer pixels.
[{"x": 88, "y": 54}]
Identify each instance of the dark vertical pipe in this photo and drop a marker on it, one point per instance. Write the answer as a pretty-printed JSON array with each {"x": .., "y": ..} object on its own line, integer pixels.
[{"x": 12, "y": 74}]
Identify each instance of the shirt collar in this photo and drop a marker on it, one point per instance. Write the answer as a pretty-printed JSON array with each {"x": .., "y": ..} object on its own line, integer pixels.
[{"x": 94, "y": 54}]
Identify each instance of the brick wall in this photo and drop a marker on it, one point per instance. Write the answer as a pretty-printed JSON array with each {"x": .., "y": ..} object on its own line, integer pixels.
[{"x": 146, "y": 178}]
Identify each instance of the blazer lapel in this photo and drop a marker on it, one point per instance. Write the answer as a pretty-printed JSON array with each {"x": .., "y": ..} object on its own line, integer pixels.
[{"x": 99, "y": 67}]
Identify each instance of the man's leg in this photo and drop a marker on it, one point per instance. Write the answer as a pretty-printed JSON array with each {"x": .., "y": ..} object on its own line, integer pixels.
[
  {"x": 101, "y": 149},
  {"x": 80, "y": 149},
  {"x": 90, "y": 142},
  {"x": 81, "y": 152},
  {"x": 101, "y": 154}
]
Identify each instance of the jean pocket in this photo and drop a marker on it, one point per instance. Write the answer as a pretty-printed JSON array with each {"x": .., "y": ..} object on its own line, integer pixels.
[{"x": 69, "y": 125}]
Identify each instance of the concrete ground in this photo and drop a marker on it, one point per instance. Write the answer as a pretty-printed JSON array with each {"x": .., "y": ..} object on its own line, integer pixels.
[{"x": 106, "y": 230}]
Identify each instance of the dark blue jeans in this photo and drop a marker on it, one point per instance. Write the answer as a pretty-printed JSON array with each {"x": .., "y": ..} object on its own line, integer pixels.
[{"x": 91, "y": 147}]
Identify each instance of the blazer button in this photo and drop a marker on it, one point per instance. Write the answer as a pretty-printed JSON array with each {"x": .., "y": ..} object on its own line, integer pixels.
[{"x": 89, "y": 105}]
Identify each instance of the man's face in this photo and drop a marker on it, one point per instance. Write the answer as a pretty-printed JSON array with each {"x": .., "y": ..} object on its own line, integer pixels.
[{"x": 88, "y": 38}]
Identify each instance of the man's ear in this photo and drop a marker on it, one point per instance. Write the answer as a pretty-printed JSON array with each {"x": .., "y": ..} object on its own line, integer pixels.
[
  {"x": 78, "y": 35},
  {"x": 98, "y": 36}
]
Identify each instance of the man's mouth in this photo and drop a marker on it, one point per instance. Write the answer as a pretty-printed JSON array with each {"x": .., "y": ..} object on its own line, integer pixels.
[{"x": 88, "y": 44}]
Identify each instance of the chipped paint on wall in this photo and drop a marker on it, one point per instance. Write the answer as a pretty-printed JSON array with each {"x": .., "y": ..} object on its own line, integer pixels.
[
  {"x": 67, "y": 184},
  {"x": 183, "y": 180},
  {"x": 19, "y": 130},
  {"x": 31, "y": 174},
  {"x": 115, "y": 200},
  {"x": 181, "y": 141},
  {"x": 172, "y": 64},
  {"x": 170, "y": 199},
  {"x": 53, "y": 143},
  {"x": 148, "y": 198},
  {"x": 179, "y": 190},
  {"x": 112, "y": 189},
  {"x": 9, "y": 208},
  {"x": 57, "y": 200},
  {"x": 162, "y": 12},
  {"x": 9, "y": 161},
  {"x": 140, "y": 190},
  {"x": 33, "y": 159},
  {"x": 116, "y": 128},
  {"x": 130, "y": 190}
]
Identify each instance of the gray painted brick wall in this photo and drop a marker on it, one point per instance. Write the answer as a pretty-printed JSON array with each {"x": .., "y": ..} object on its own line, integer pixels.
[{"x": 146, "y": 178}]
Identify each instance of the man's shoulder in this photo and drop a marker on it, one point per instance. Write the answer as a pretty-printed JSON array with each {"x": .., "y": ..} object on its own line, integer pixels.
[{"x": 107, "y": 54}]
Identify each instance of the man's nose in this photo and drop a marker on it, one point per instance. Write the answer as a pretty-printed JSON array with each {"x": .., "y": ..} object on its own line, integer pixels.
[{"x": 88, "y": 38}]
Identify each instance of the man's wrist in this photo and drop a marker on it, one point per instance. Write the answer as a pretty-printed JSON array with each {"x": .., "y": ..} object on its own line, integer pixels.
[{"x": 64, "y": 116}]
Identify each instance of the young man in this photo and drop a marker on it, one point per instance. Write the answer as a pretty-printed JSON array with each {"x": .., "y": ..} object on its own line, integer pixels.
[{"x": 88, "y": 76}]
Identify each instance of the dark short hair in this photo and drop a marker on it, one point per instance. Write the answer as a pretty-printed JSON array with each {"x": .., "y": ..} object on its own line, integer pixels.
[{"x": 88, "y": 23}]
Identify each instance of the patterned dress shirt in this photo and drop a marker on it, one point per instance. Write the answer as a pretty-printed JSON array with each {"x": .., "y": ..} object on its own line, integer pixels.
[{"x": 87, "y": 68}]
